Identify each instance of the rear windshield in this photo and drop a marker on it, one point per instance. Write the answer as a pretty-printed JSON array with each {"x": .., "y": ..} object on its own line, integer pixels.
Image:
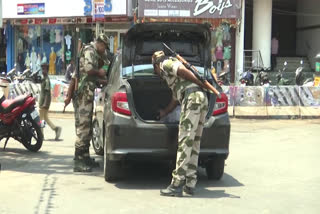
[{"x": 145, "y": 70}]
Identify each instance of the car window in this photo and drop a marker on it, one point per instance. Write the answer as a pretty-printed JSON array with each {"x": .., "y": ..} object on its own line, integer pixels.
[
  {"x": 114, "y": 68},
  {"x": 144, "y": 70}
]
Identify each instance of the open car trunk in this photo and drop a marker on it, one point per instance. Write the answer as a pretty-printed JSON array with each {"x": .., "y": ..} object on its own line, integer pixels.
[{"x": 150, "y": 94}]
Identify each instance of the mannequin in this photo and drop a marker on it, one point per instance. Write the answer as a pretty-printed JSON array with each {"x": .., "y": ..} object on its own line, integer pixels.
[
  {"x": 27, "y": 61},
  {"x": 38, "y": 64},
  {"x": 44, "y": 59},
  {"x": 52, "y": 62},
  {"x": 33, "y": 56}
]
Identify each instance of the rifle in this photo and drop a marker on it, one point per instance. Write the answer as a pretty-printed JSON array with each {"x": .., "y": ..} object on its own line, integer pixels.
[
  {"x": 73, "y": 85},
  {"x": 194, "y": 71}
]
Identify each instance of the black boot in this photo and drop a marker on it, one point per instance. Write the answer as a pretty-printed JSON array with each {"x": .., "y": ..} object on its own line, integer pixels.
[
  {"x": 172, "y": 190},
  {"x": 91, "y": 162},
  {"x": 80, "y": 164},
  {"x": 188, "y": 190}
]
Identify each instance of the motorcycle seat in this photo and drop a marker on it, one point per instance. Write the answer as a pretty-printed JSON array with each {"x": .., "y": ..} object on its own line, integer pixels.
[{"x": 7, "y": 106}]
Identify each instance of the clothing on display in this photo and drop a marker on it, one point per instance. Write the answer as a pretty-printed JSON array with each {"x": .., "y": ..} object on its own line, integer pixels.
[
  {"x": 38, "y": 63},
  {"x": 38, "y": 31},
  {"x": 219, "y": 36},
  {"x": 52, "y": 62},
  {"x": 68, "y": 56},
  {"x": 58, "y": 35},
  {"x": 68, "y": 41},
  {"x": 33, "y": 56},
  {"x": 52, "y": 36},
  {"x": 219, "y": 52},
  {"x": 226, "y": 32},
  {"x": 44, "y": 59},
  {"x": 20, "y": 45},
  {"x": 31, "y": 33},
  {"x": 27, "y": 61},
  {"x": 227, "y": 53}
]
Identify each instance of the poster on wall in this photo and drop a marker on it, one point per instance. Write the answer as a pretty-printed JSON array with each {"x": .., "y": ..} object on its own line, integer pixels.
[
  {"x": 31, "y": 9},
  {"x": 189, "y": 8}
]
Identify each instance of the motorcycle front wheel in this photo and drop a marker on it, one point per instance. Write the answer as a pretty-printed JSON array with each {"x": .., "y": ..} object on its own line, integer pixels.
[{"x": 33, "y": 137}]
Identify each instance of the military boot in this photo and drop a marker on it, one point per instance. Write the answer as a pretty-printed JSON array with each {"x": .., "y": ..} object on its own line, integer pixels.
[
  {"x": 80, "y": 165},
  {"x": 188, "y": 190},
  {"x": 172, "y": 190},
  {"x": 90, "y": 161}
]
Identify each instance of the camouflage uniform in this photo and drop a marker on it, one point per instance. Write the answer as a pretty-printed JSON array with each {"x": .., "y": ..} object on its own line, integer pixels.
[
  {"x": 194, "y": 106},
  {"x": 83, "y": 102}
]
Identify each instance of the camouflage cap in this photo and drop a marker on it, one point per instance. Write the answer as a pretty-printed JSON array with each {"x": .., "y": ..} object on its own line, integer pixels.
[
  {"x": 103, "y": 38},
  {"x": 158, "y": 57}
]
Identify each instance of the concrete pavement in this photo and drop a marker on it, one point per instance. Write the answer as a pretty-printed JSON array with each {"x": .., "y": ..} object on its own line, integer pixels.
[{"x": 272, "y": 168}]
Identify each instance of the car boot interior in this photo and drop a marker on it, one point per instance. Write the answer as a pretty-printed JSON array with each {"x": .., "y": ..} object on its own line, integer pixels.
[{"x": 150, "y": 94}]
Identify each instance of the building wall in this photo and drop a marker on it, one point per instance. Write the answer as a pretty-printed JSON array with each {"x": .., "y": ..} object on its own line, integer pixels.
[{"x": 308, "y": 29}]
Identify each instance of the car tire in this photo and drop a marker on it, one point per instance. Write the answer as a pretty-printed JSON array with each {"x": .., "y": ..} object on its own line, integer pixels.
[
  {"x": 215, "y": 168},
  {"x": 111, "y": 168},
  {"x": 96, "y": 138}
]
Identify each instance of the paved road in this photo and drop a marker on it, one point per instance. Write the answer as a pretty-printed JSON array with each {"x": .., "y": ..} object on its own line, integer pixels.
[{"x": 273, "y": 168}]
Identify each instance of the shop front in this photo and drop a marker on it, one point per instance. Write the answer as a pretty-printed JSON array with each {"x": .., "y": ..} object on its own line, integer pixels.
[
  {"x": 223, "y": 15},
  {"x": 50, "y": 31}
]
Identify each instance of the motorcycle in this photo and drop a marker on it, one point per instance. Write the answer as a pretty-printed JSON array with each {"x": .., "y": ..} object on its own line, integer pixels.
[
  {"x": 247, "y": 78},
  {"x": 223, "y": 78},
  {"x": 20, "y": 120},
  {"x": 300, "y": 78},
  {"x": 262, "y": 78},
  {"x": 280, "y": 79}
]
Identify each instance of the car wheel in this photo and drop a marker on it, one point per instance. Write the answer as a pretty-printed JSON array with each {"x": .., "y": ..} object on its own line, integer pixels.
[
  {"x": 111, "y": 168},
  {"x": 215, "y": 168},
  {"x": 96, "y": 138}
]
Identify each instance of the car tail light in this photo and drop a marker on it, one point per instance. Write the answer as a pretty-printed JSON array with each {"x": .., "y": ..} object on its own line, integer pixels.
[
  {"x": 221, "y": 105},
  {"x": 120, "y": 103}
]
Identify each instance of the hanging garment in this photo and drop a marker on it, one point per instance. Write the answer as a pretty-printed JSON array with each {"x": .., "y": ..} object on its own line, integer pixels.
[
  {"x": 52, "y": 36},
  {"x": 219, "y": 52},
  {"x": 58, "y": 35},
  {"x": 52, "y": 63},
  {"x": 68, "y": 56},
  {"x": 27, "y": 61},
  {"x": 34, "y": 61},
  {"x": 219, "y": 37},
  {"x": 227, "y": 53},
  {"x": 226, "y": 33},
  {"x": 68, "y": 41},
  {"x": 31, "y": 33}
]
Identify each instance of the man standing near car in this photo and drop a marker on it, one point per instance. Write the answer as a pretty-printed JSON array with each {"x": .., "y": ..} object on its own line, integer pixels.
[
  {"x": 187, "y": 91},
  {"x": 92, "y": 59}
]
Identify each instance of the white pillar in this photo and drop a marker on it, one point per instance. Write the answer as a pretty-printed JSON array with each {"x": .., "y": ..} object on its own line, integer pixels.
[
  {"x": 240, "y": 45},
  {"x": 262, "y": 26}
]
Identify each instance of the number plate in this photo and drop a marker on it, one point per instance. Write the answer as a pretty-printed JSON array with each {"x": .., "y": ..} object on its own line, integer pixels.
[{"x": 34, "y": 114}]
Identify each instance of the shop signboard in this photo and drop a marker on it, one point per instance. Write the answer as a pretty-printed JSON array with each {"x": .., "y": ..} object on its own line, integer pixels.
[
  {"x": 19, "y": 9},
  {"x": 31, "y": 9},
  {"x": 189, "y": 8}
]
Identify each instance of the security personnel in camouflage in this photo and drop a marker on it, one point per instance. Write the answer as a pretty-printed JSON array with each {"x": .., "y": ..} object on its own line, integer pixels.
[
  {"x": 91, "y": 73},
  {"x": 187, "y": 91}
]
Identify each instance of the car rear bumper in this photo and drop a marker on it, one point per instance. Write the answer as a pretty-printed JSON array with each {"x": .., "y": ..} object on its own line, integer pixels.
[{"x": 129, "y": 138}]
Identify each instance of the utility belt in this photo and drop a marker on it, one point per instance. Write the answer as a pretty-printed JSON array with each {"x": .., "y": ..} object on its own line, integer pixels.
[{"x": 188, "y": 91}]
